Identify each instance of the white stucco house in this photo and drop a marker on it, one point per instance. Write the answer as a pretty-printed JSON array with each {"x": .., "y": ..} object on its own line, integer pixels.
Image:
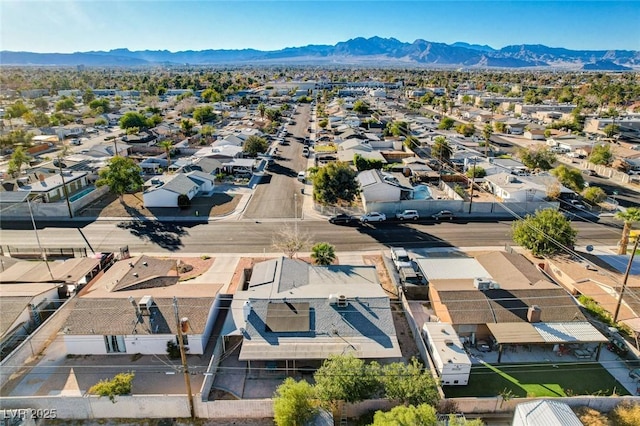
[
  {"x": 130, "y": 310},
  {"x": 377, "y": 186},
  {"x": 164, "y": 191},
  {"x": 523, "y": 189}
]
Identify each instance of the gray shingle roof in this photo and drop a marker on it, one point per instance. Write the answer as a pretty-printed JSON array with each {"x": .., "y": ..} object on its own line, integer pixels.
[
  {"x": 180, "y": 184},
  {"x": 104, "y": 316},
  {"x": 10, "y": 310}
]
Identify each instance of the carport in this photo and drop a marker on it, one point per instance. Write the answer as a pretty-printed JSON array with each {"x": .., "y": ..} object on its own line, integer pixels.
[{"x": 558, "y": 333}]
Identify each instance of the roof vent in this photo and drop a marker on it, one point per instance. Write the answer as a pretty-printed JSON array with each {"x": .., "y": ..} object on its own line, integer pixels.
[
  {"x": 448, "y": 342},
  {"x": 342, "y": 301}
]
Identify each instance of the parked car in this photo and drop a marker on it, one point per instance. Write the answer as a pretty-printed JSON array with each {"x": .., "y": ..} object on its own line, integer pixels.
[
  {"x": 483, "y": 346},
  {"x": 373, "y": 217},
  {"x": 589, "y": 172},
  {"x": 408, "y": 215},
  {"x": 577, "y": 204},
  {"x": 400, "y": 258},
  {"x": 305, "y": 152},
  {"x": 302, "y": 175},
  {"x": 443, "y": 215},
  {"x": 341, "y": 219}
]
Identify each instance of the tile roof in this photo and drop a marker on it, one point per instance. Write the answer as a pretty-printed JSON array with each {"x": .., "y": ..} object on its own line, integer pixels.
[{"x": 107, "y": 316}]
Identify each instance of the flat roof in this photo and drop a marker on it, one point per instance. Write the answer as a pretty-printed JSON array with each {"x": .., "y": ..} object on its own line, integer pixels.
[
  {"x": 515, "y": 333},
  {"x": 447, "y": 343},
  {"x": 546, "y": 332},
  {"x": 451, "y": 268}
]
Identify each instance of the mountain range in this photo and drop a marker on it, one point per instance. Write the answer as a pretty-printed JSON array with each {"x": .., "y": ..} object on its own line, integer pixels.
[{"x": 374, "y": 51}]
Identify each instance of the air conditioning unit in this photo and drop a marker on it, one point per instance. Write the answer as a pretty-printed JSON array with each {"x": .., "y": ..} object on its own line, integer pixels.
[
  {"x": 145, "y": 304},
  {"x": 494, "y": 285},
  {"x": 482, "y": 284}
]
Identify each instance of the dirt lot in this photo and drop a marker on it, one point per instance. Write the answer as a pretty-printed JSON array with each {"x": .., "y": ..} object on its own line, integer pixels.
[
  {"x": 199, "y": 266},
  {"x": 110, "y": 206}
]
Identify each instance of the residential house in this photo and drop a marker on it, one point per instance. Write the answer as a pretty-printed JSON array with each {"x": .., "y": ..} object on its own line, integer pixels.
[
  {"x": 377, "y": 186},
  {"x": 502, "y": 297},
  {"x": 51, "y": 188},
  {"x": 510, "y": 188},
  {"x": 224, "y": 153},
  {"x": 298, "y": 314},
  {"x": 163, "y": 191},
  {"x": 131, "y": 310}
]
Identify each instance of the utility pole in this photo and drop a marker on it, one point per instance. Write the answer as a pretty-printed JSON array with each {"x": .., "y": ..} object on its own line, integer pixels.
[
  {"x": 65, "y": 189},
  {"x": 473, "y": 180},
  {"x": 183, "y": 356},
  {"x": 295, "y": 208},
  {"x": 624, "y": 281},
  {"x": 35, "y": 230}
]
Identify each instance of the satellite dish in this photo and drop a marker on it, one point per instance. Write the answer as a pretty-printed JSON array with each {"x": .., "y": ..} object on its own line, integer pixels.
[{"x": 589, "y": 248}]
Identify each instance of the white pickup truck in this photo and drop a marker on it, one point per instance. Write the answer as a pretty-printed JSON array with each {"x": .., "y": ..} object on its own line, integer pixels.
[{"x": 400, "y": 258}]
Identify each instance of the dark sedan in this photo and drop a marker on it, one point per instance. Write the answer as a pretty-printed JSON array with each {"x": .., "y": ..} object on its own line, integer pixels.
[{"x": 341, "y": 219}]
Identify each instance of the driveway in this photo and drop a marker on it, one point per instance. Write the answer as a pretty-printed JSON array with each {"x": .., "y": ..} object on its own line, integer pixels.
[{"x": 278, "y": 196}]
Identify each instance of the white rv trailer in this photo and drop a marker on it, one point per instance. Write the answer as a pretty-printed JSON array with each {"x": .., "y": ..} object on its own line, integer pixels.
[{"x": 448, "y": 355}]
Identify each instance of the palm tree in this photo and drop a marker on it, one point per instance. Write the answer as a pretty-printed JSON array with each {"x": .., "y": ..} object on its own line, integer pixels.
[
  {"x": 261, "y": 109},
  {"x": 323, "y": 254},
  {"x": 18, "y": 158},
  {"x": 630, "y": 216},
  {"x": 486, "y": 134},
  {"x": 167, "y": 146},
  {"x": 441, "y": 149}
]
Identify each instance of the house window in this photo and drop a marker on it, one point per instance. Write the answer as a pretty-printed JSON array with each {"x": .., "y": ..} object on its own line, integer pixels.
[
  {"x": 115, "y": 344},
  {"x": 185, "y": 340}
]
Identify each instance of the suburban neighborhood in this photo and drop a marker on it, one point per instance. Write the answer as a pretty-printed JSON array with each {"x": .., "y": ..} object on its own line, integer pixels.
[{"x": 208, "y": 243}]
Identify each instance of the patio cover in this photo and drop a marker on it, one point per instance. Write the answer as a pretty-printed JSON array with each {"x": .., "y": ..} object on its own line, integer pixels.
[
  {"x": 545, "y": 332},
  {"x": 515, "y": 333}
]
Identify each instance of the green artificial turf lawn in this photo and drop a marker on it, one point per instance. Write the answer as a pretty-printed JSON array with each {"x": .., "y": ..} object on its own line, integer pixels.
[{"x": 538, "y": 380}]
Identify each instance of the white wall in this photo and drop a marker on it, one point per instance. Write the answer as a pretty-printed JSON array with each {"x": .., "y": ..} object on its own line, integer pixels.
[
  {"x": 381, "y": 192},
  {"x": 143, "y": 344},
  {"x": 160, "y": 198}
]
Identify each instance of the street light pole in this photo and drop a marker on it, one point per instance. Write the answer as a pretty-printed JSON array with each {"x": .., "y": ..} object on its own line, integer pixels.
[
  {"x": 295, "y": 211},
  {"x": 624, "y": 281}
]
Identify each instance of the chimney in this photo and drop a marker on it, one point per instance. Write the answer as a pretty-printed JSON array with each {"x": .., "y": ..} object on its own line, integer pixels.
[{"x": 534, "y": 313}]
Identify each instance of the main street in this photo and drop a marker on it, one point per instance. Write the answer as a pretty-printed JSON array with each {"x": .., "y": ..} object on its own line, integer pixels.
[{"x": 244, "y": 236}]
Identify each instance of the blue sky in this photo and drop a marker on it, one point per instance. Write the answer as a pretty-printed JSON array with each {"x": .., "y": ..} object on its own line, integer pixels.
[{"x": 83, "y": 25}]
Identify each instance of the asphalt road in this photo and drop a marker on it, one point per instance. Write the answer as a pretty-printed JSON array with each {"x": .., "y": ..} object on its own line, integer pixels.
[
  {"x": 248, "y": 236},
  {"x": 279, "y": 194}
]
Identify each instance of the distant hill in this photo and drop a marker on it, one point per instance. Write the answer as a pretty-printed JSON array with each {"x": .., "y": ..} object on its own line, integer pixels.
[{"x": 357, "y": 51}]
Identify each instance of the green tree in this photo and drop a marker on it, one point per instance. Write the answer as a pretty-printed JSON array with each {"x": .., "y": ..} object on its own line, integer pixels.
[
  {"x": 346, "y": 378},
  {"x": 537, "y": 157},
  {"x": 446, "y": 123},
  {"x": 16, "y": 137},
  {"x": 18, "y": 158},
  {"x": 465, "y": 129},
  {"x": 594, "y": 194},
  {"x": 569, "y": 177},
  {"x": 204, "y": 114},
  {"x": 255, "y": 145},
  {"x": 323, "y": 254},
  {"x": 487, "y": 131},
  {"x": 360, "y": 107},
  {"x": 409, "y": 383},
  {"x": 441, "y": 149},
  {"x": 500, "y": 127},
  {"x": 120, "y": 384},
  {"x": 293, "y": 403},
  {"x": 411, "y": 142},
  {"x": 121, "y": 175},
  {"x": 154, "y": 120},
  {"x": 167, "y": 146},
  {"x": 88, "y": 96},
  {"x": 261, "y": 109},
  {"x": 545, "y": 233},
  {"x": 17, "y": 110},
  {"x": 629, "y": 217},
  {"x": 323, "y": 123},
  {"x": 601, "y": 154},
  {"x": 422, "y": 415},
  {"x": 187, "y": 126},
  {"x": 476, "y": 172},
  {"x": 363, "y": 163},
  {"x": 207, "y": 130},
  {"x": 133, "y": 119},
  {"x": 37, "y": 118},
  {"x": 335, "y": 182},
  {"x": 99, "y": 106},
  {"x": 65, "y": 104},
  {"x": 211, "y": 95},
  {"x": 610, "y": 130},
  {"x": 41, "y": 104},
  {"x": 273, "y": 114}
]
